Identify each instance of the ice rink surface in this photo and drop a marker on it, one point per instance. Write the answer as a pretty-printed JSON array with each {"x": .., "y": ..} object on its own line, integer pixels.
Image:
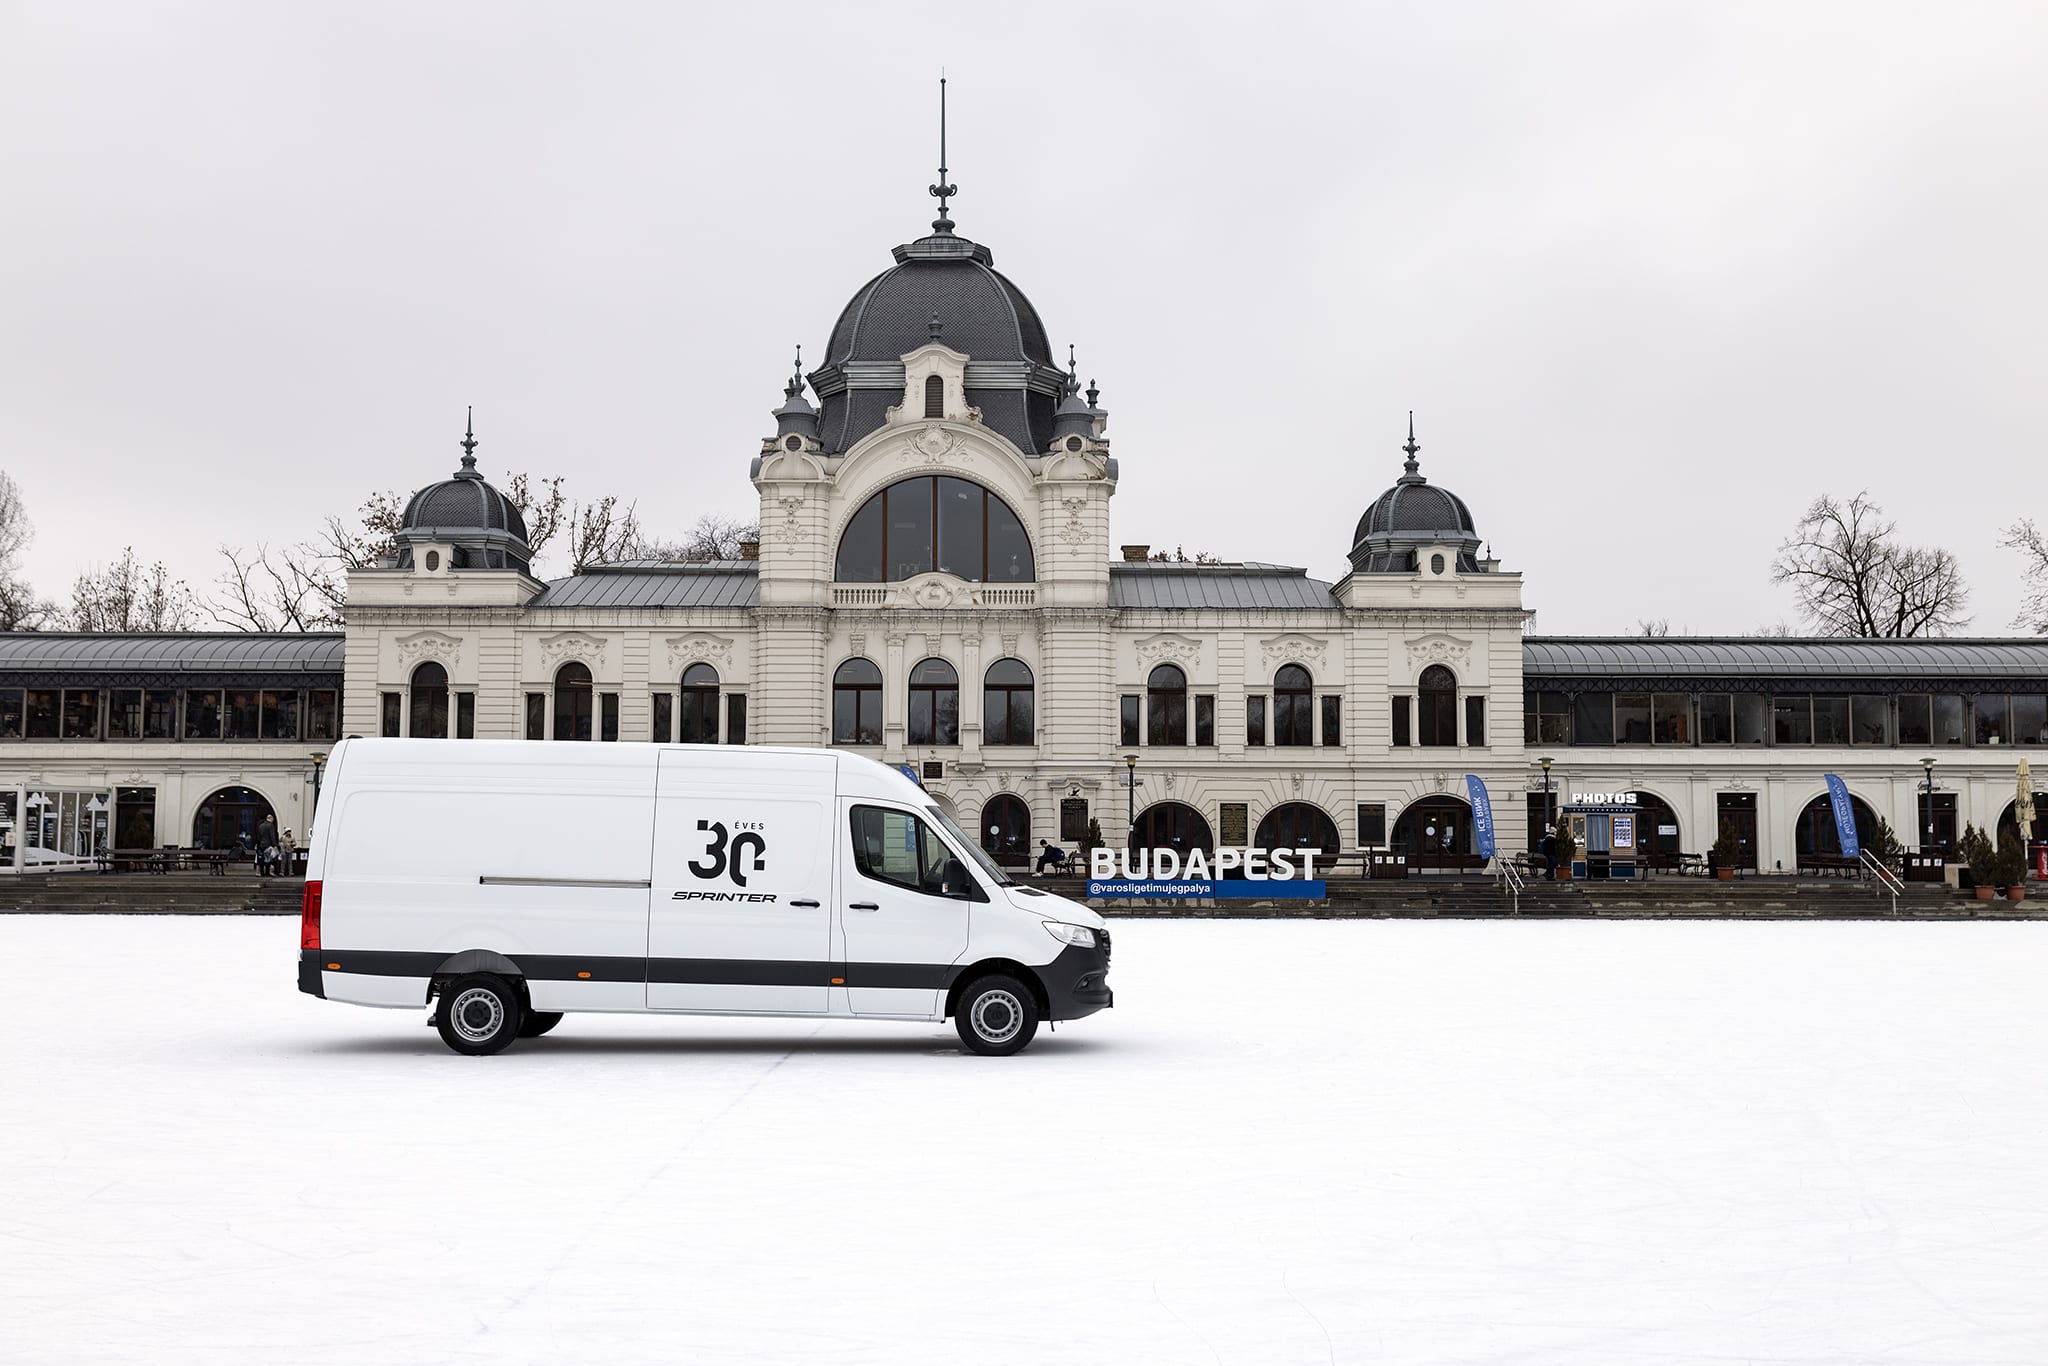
[{"x": 1365, "y": 1141}]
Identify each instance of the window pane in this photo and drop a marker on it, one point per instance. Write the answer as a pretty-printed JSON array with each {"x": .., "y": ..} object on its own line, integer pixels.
[
  {"x": 1948, "y": 719},
  {"x": 1831, "y": 720},
  {"x": 1333, "y": 720},
  {"x": 1009, "y": 549},
  {"x": 1593, "y": 719},
  {"x": 1870, "y": 721},
  {"x": 280, "y": 716},
  {"x": 322, "y": 722},
  {"x": 1987, "y": 709},
  {"x": 465, "y": 716},
  {"x": 1255, "y": 719},
  {"x": 1127, "y": 720},
  {"x": 10, "y": 713},
  {"x": 662, "y": 728},
  {"x": 124, "y": 714},
  {"x": 1475, "y": 721},
  {"x": 1717, "y": 719},
  {"x": 910, "y": 528},
  {"x": 868, "y": 724},
  {"x": 1671, "y": 718},
  {"x": 1791, "y": 721},
  {"x": 1915, "y": 720},
  {"x": 81, "y": 714},
  {"x": 1400, "y": 721},
  {"x": 895, "y": 847},
  {"x": 736, "y": 719},
  {"x": 1205, "y": 720},
  {"x": 244, "y": 714},
  {"x": 1632, "y": 719},
  {"x": 2030, "y": 719},
  {"x": 610, "y": 729},
  {"x": 536, "y": 716},
  {"x": 960, "y": 514},
  {"x": 1372, "y": 824},
  {"x": 42, "y": 714},
  {"x": 390, "y": 716},
  {"x": 860, "y": 546}
]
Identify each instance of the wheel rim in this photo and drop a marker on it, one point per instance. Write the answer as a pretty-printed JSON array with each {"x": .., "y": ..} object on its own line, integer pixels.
[
  {"x": 477, "y": 1014},
  {"x": 997, "y": 1016}
]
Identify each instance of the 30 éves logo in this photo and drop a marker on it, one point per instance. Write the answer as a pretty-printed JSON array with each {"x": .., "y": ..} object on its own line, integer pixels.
[{"x": 729, "y": 853}]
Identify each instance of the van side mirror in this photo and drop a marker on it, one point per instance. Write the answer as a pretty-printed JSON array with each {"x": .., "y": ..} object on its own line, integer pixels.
[{"x": 953, "y": 880}]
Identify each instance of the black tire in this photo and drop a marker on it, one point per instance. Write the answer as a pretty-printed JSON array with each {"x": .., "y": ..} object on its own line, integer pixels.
[
  {"x": 480, "y": 1014},
  {"x": 996, "y": 1017},
  {"x": 539, "y": 1022}
]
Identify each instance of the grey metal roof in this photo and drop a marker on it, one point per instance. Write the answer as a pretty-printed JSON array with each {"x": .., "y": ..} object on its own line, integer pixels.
[
  {"x": 656, "y": 583},
  {"x": 1168, "y": 584},
  {"x": 1842, "y": 663},
  {"x": 463, "y": 501},
  {"x": 88, "y": 659}
]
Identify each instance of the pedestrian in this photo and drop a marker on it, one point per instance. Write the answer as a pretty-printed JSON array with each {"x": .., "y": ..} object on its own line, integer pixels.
[
  {"x": 289, "y": 851},
  {"x": 266, "y": 845},
  {"x": 1050, "y": 855},
  {"x": 1549, "y": 856}
]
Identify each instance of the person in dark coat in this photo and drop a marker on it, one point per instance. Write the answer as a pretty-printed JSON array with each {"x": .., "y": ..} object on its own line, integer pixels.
[
  {"x": 1050, "y": 856},
  {"x": 266, "y": 845},
  {"x": 1549, "y": 856}
]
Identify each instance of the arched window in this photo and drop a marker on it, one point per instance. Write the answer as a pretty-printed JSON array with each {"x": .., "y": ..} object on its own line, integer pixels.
[
  {"x": 430, "y": 701},
  {"x": 573, "y": 699},
  {"x": 1297, "y": 825},
  {"x": 699, "y": 721},
  {"x": 1006, "y": 704},
  {"x": 1815, "y": 833},
  {"x": 1166, "y": 706},
  {"x": 857, "y": 703},
  {"x": 1435, "y": 832},
  {"x": 1438, "y": 721},
  {"x": 934, "y": 396},
  {"x": 1006, "y": 831},
  {"x": 934, "y": 704},
  {"x": 1294, "y": 706},
  {"x": 1172, "y": 825},
  {"x": 932, "y": 522}
]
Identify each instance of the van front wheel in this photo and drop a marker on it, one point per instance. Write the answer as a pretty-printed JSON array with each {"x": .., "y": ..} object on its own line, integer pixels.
[
  {"x": 480, "y": 1014},
  {"x": 996, "y": 1016}
]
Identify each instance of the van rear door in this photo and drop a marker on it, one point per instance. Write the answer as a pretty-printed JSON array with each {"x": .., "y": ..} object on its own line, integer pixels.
[{"x": 740, "y": 912}]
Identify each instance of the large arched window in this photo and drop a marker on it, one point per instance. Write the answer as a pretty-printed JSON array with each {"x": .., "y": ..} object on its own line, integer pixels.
[
  {"x": 573, "y": 702},
  {"x": 857, "y": 703},
  {"x": 1006, "y": 710},
  {"x": 1166, "y": 706},
  {"x": 698, "y": 724},
  {"x": 1175, "y": 826},
  {"x": 1006, "y": 830},
  {"x": 1294, "y": 706},
  {"x": 934, "y": 522},
  {"x": 934, "y": 704},
  {"x": 1816, "y": 833},
  {"x": 1438, "y": 722},
  {"x": 429, "y": 701},
  {"x": 1297, "y": 825}
]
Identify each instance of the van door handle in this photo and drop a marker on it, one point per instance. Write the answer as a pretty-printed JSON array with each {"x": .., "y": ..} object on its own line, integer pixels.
[
  {"x": 862, "y": 906},
  {"x": 812, "y": 904}
]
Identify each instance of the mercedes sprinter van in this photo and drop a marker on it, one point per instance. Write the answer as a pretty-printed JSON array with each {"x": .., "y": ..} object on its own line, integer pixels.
[{"x": 513, "y": 882}]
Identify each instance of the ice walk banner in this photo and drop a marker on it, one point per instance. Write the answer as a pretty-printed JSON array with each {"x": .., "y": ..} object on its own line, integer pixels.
[
  {"x": 1482, "y": 814},
  {"x": 1845, "y": 816}
]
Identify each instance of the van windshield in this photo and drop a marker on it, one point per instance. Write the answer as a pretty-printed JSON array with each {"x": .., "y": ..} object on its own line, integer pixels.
[{"x": 980, "y": 856}]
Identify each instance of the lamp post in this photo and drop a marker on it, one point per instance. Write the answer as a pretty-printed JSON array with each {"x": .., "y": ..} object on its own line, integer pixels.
[
  {"x": 1131, "y": 781},
  {"x": 319, "y": 764},
  {"x": 1549, "y": 816},
  {"x": 1927, "y": 836}
]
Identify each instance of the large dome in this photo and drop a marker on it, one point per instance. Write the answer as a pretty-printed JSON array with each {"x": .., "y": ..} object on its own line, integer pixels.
[
  {"x": 1411, "y": 515},
  {"x": 482, "y": 527},
  {"x": 942, "y": 288}
]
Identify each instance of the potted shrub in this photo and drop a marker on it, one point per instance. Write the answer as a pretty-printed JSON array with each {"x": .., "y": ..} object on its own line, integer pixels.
[
  {"x": 1566, "y": 847},
  {"x": 1977, "y": 851},
  {"x": 1727, "y": 850},
  {"x": 2012, "y": 866},
  {"x": 1090, "y": 842}
]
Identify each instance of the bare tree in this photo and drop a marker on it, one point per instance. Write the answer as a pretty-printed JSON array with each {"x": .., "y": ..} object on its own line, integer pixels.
[
  {"x": 603, "y": 532},
  {"x": 713, "y": 536},
  {"x": 1653, "y": 630},
  {"x": 20, "y": 608},
  {"x": 296, "y": 588},
  {"x": 541, "y": 505},
  {"x": 1777, "y": 630},
  {"x": 1853, "y": 577},
  {"x": 2027, "y": 538},
  {"x": 129, "y": 596}
]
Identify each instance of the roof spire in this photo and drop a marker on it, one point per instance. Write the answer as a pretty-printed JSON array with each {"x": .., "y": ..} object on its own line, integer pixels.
[
  {"x": 1073, "y": 378},
  {"x": 469, "y": 443},
  {"x": 796, "y": 379},
  {"x": 1412, "y": 465},
  {"x": 943, "y": 191}
]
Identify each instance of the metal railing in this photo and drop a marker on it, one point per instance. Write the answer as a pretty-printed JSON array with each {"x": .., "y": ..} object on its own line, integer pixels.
[
  {"x": 1511, "y": 883},
  {"x": 1887, "y": 880}
]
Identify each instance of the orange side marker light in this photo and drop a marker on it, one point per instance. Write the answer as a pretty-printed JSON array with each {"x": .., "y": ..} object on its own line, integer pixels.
[{"x": 583, "y": 974}]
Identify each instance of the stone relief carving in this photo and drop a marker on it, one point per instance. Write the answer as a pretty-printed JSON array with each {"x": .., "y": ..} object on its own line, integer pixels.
[
  {"x": 1440, "y": 781},
  {"x": 1169, "y": 649},
  {"x": 699, "y": 645},
  {"x": 857, "y": 641},
  {"x": 1295, "y": 649},
  {"x": 1009, "y": 644},
  {"x": 934, "y": 592},
  {"x": 1074, "y": 531},
  {"x": 421, "y": 646},
  {"x": 564, "y": 646},
  {"x": 1439, "y": 650},
  {"x": 792, "y": 516},
  {"x": 931, "y": 445}
]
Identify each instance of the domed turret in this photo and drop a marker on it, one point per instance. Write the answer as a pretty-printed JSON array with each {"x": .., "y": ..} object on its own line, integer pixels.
[
  {"x": 1410, "y": 516},
  {"x": 479, "y": 525}
]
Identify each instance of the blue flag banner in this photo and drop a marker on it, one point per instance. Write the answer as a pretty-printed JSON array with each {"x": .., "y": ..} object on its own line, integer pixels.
[
  {"x": 1845, "y": 816},
  {"x": 1482, "y": 814}
]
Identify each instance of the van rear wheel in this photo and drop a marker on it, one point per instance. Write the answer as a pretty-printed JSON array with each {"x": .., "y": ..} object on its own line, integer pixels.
[
  {"x": 997, "y": 1016},
  {"x": 539, "y": 1022},
  {"x": 480, "y": 1014}
]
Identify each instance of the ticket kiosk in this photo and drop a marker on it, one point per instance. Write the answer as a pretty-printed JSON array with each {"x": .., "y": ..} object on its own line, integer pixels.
[{"x": 1607, "y": 836}]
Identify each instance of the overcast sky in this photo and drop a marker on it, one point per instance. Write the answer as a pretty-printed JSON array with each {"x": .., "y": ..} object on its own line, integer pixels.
[{"x": 1651, "y": 276}]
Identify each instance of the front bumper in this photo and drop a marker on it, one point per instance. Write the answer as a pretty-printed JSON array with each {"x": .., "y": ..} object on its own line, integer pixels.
[{"x": 1077, "y": 982}]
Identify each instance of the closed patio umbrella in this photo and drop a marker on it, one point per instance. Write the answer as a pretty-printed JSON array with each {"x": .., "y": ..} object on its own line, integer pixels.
[{"x": 2023, "y": 807}]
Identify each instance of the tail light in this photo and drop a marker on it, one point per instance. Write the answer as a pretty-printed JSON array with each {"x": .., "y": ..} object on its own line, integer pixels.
[{"x": 309, "y": 917}]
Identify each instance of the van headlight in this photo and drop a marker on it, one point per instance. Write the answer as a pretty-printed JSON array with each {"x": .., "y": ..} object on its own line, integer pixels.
[{"x": 1080, "y": 936}]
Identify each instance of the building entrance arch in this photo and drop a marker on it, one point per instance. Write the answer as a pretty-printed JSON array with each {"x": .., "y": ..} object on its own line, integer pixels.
[
  {"x": 1815, "y": 835},
  {"x": 1172, "y": 825},
  {"x": 227, "y": 818},
  {"x": 1006, "y": 830},
  {"x": 1298, "y": 825},
  {"x": 1654, "y": 817},
  {"x": 1435, "y": 832}
]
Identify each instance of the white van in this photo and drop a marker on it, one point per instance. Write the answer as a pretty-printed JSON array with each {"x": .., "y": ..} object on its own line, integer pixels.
[{"x": 516, "y": 881}]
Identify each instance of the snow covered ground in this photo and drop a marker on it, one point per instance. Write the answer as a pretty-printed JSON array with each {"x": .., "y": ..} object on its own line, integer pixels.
[{"x": 1368, "y": 1141}]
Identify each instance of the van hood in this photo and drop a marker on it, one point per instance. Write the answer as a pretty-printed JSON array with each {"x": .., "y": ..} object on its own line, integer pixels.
[{"x": 1046, "y": 906}]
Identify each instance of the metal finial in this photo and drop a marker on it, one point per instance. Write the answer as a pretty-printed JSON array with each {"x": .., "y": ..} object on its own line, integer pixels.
[
  {"x": 796, "y": 379},
  {"x": 943, "y": 190},
  {"x": 1092, "y": 392},
  {"x": 469, "y": 439},
  {"x": 1073, "y": 381},
  {"x": 1412, "y": 465},
  {"x": 935, "y": 328}
]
